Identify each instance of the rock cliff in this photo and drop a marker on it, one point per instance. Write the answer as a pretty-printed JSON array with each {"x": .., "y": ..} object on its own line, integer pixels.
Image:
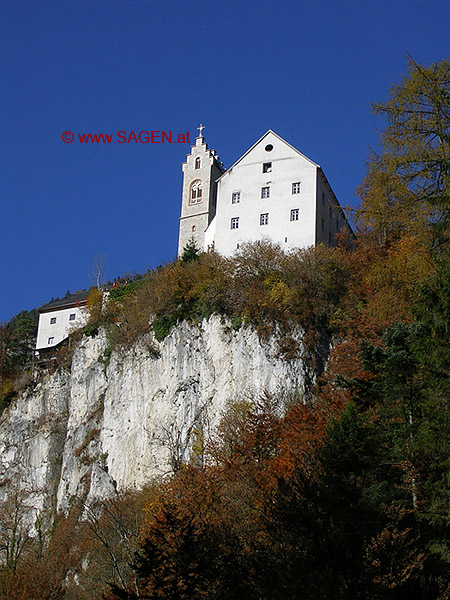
[{"x": 117, "y": 420}]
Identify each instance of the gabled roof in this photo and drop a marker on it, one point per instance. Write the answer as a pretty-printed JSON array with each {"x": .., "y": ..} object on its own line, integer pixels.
[
  {"x": 79, "y": 298},
  {"x": 260, "y": 140}
]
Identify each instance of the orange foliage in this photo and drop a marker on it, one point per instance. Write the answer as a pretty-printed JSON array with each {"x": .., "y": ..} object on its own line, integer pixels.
[
  {"x": 304, "y": 430},
  {"x": 394, "y": 558}
]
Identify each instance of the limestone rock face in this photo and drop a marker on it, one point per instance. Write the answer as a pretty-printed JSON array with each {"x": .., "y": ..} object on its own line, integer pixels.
[{"x": 116, "y": 421}]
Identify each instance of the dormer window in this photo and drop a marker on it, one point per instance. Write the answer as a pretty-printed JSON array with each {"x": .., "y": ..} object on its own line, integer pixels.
[
  {"x": 198, "y": 162},
  {"x": 196, "y": 195},
  {"x": 267, "y": 167}
]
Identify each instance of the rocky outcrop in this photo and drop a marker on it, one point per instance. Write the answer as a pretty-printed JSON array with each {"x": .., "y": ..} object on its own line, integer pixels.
[{"x": 117, "y": 420}]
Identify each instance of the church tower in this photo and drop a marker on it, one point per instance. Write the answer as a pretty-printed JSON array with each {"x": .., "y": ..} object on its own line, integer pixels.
[{"x": 200, "y": 173}]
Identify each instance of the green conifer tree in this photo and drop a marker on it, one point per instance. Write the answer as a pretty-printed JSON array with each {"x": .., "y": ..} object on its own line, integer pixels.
[{"x": 191, "y": 252}]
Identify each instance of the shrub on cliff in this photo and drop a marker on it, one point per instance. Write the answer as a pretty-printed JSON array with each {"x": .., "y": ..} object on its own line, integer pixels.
[{"x": 261, "y": 285}]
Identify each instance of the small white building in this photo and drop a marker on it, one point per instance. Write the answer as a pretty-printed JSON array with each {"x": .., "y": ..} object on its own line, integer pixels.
[
  {"x": 271, "y": 192},
  {"x": 59, "y": 318}
]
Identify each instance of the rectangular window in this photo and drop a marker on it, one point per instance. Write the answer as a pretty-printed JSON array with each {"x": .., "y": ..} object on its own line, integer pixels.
[
  {"x": 235, "y": 223},
  {"x": 323, "y": 199},
  {"x": 323, "y": 225},
  {"x": 294, "y": 214},
  {"x": 52, "y": 320},
  {"x": 50, "y": 340},
  {"x": 235, "y": 197},
  {"x": 265, "y": 192},
  {"x": 296, "y": 187},
  {"x": 267, "y": 167},
  {"x": 264, "y": 219},
  {"x": 72, "y": 317}
]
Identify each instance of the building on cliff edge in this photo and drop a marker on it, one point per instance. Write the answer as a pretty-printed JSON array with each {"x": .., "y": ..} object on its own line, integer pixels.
[
  {"x": 272, "y": 191},
  {"x": 58, "y": 319}
]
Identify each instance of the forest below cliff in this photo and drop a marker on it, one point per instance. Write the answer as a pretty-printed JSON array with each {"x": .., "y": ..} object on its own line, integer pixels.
[{"x": 345, "y": 494}]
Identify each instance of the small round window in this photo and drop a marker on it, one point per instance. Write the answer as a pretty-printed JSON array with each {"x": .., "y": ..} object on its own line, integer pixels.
[{"x": 268, "y": 148}]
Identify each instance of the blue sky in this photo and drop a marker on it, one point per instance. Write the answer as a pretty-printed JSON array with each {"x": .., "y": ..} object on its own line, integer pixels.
[{"x": 308, "y": 70}]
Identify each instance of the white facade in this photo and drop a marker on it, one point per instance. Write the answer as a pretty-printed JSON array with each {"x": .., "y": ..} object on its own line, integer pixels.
[
  {"x": 56, "y": 324},
  {"x": 272, "y": 192}
]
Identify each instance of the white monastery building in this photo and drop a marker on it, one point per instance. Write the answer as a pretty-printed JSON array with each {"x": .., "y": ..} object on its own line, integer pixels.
[{"x": 271, "y": 192}]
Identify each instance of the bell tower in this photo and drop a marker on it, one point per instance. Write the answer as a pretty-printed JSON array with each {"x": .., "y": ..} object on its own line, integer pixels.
[{"x": 198, "y": 208}]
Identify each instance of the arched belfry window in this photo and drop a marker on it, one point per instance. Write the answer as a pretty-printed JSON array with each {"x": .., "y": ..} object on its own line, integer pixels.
[
  {"x": 196, "y": 194},
  {"x": 198, "y": 162}
]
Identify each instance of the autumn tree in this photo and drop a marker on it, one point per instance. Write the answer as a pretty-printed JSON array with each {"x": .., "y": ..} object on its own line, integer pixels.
[
  {"x": 110, "y": 534},
  {"x": 400, "y": 403},
  {"x": 15, "y": 522},
  {"x": 408, "y": 184}
]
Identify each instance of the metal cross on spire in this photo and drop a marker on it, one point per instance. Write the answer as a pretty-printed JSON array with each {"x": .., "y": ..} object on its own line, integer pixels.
[{"x": 200, "y": 129}]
